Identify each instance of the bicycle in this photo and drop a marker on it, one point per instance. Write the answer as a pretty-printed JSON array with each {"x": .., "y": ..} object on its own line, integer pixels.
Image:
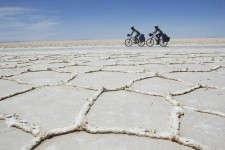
[
  {"x": 140, "y": 40},
  {"x": 162, "y": 40}
]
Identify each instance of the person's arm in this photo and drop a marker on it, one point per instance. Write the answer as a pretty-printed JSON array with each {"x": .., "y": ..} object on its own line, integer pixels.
[
  {"x": 138, "y": 32},
  {"x": 160, "y": 31},
  {"x": 132, "y": 32},
  {"x": 156, "y": 31}
]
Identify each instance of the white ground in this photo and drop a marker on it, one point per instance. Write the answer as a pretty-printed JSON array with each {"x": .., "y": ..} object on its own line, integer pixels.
[{"x": 113, "y": 98}]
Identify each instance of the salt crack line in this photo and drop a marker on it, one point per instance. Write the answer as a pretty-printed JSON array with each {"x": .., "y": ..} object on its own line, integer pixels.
[
  {"x": 72, "y": 65},
  {"x": 152, "y": 133},
  {"x": 186, "y": 91},
  {"x": 86, "y": 108},
  {"x": 61, "y": 131},
  {"x": 34, "y": 143},
  {"x": 145, "y": 133},
  {"x": 118, "y": 64},
  {"x": 14, "y": 80},
  {"x": 43, "y": 70},
  {"x": 121, "y": 71},
  {"x": 167, "y": 98},
  {"x": 211, "y": 112},
  {"x": 26, "y": 71},
  {"x": 188, "y": 142},
  {"x": 167, "y": 78},
  {"x": 176, "y": 114},
  {"x": 83, "y": 87},
  {"x": 172, "y": 101},
  {"x": 93, "y": 71},
  {"x": 15, "y": 121},
  {"x": 209, "y": 70},
  {"x": 144, "y": 93},
  {"x": 72, "y": 78},
  {"x": 156, "y": 75},
  {"x": 17, "y": 93}
]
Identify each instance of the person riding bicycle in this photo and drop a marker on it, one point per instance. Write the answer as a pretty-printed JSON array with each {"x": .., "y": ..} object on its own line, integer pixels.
[
  {"x": 136, "y": 32},
  {"x": 158, "y": 33}
]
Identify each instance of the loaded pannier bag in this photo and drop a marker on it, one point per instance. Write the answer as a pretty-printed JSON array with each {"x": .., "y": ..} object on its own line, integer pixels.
[
  {"x": 165, "y": 38},
  {"x": 142, "y": 38}
]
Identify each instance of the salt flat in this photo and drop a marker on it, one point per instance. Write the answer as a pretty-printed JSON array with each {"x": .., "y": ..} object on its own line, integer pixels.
[{"x": 102, "y": 95}]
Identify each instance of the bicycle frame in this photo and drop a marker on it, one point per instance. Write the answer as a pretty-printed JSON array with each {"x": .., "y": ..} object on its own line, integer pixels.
[{"x": 153, "y": 36}]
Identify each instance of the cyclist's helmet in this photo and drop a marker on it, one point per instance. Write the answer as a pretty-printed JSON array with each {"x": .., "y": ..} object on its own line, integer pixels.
[{"x": 156, "y": 27}]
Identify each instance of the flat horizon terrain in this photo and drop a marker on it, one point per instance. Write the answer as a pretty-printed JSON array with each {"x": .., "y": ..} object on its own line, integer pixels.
[
  {"x": 114, "y": 42},
  {"x": 101, "y": 95}
]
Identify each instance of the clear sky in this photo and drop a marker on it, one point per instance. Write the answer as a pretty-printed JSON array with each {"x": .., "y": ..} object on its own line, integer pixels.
[{"x": 99, "y": 19}]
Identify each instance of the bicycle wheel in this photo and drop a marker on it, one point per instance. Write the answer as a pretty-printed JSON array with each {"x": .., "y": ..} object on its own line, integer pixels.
[
  {"x": 150, "y": 42},
  {"x": 162, "y": 43},
  {"x": 128, "y": 42},
  {"x": 141, "y": 44}
]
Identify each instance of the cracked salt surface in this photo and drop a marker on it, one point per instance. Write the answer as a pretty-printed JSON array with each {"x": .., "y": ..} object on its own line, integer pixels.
[
  {"x": 205, "y": 99},
  {"x": 100, "y": 79},
  {"x": 78, "y": 69},
  {"x": 121, "y": 109},
  {"x": 158, "y": 85},
  {"x": 11, "y": 72},
  {"x": 42, "y": 78},
  {"x": 125, "y": 68},
  {"x": 12, "y": 138},
  {"x": 113, "y": 98},
  {"x": 10, "y": 88},
  {"x": 207, "y": 129},
  {"x": 162, "y": 68},
  {"x": 82, "y": 141},
  {"x": 214, "y": 78},
  {"x": 62, "y": 103}
]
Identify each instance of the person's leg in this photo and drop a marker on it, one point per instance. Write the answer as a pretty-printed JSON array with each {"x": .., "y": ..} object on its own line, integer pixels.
[
  {"x": 138, "y": 35},
  {"x": 158, "y": 38},
  {"x": 136, "y": 38}
]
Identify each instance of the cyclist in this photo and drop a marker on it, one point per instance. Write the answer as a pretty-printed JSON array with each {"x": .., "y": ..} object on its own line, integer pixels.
[
  {"x": 136, "y": 32},
  {"x": 158, "y": 33}
]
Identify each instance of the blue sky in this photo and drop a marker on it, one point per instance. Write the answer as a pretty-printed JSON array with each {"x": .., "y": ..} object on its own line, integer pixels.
[{"x": 111, "y": 19}]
